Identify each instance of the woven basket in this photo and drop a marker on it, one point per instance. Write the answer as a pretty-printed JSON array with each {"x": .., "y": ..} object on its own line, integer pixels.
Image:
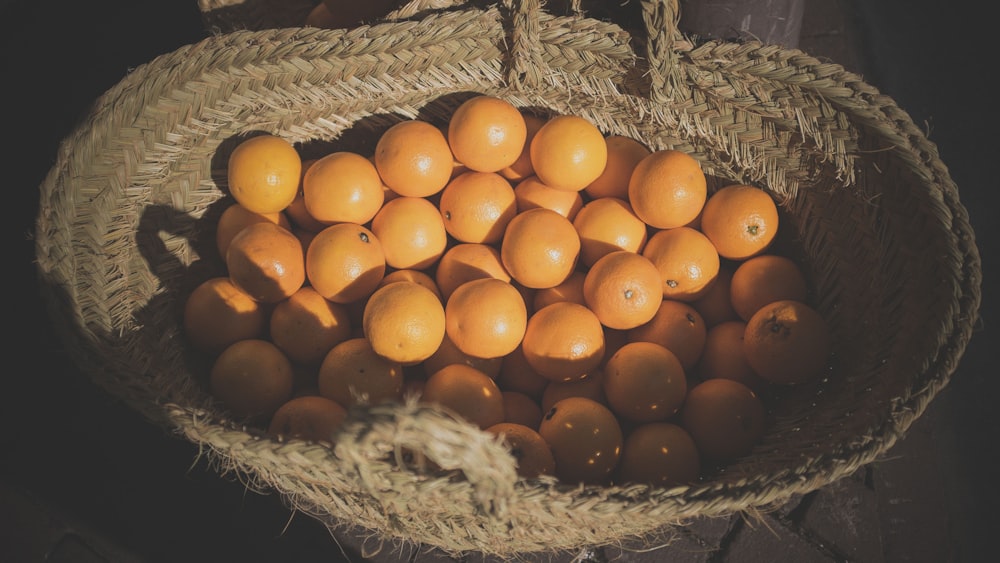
[{"x": 867, "y": 204}]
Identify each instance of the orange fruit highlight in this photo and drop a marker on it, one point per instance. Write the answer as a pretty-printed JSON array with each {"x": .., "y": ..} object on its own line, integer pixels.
[
  {"x": 787, "y": 342},
  {"x": 726, "y": 419},
  {"x": 522, "y": 168},
  {"x": 644, "y": 382},
  {"x": 266, "y": 261},
  {"x": 740, "y": 220},
  {"x": 608, "y": 224},
  {"x": 623, "y": 289},
  {"x": 764, "y": 279},
  {"x": 414, "y": 158},
  {"x": 217, "y": 314},
  {"x": 465, "y": 262},
  {"x": 568, "y": 152},
  {"x": 411, "y": 231},
  {"x": 624, "y": 153},
  {"x": 476, "y": 207},
  {"x": 486, "y": 133},
  {"x": 404, "y": 321},
  {"x": 660, "y": 454},
  {"x": 687, "y": 261},
  {"x": 342, "y": 187},
  {"x": 345, "y": 262},
  {"x": 306, "y": 326},
  {"x": 264, "y": 173},
  {"x": 235, "y": 217},
  {"x": 530, "y": 192},
  {"x": 540, "y": 248},
  {"x": 563, "y": 341},
  {"x": 667, "y": 189},
  {"x": 586, "y": 440},
  {"x": 466, "y": 391},
  {"x": 252, "y": 378},
  {"x": 677, "y": 326},
  {"x": 352, "y": 373},
  {"x": 486, "y": 318}
]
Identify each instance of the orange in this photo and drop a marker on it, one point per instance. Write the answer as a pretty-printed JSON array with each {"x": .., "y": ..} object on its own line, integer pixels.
[
  {"x": 531, "y": 452},
  {"x": 676, "y": 326},
  {"x": 715, "y": 305},
  {"x": 263, "y": 173},
  {"x": 266, "y": 261},
  {"x": 644, "y": 382},
  {"x": 687, "y": 261},
  {"x": 530, "y": 192},
  {"x": 309, "y": 417},
  {"x": 345, "y": 262},
  {"x": 724, "y": 357},
  {"x": 516, "y": 374},
  {"x": 447, "y": 353},
  {"x": 519, "y": 408},
  {"x": 667, "y": 189},
  {"x": 217, "y": 313},
  {"x": 252, "y": 378},
  {"x": 591, "y": 387},
  {"x": 411, "y": 231},
  {"x": 476, "y": 207},
  {"x": 608, "y": 224},
  {"x": 353, "y": 374},
  {"x": 466, "y": 391},
  {"x": 342, "y": 187},
  {"x": 568, "y": 152},
  {"x": 624, "y": 153},
  {"x": 787, "y": 342},
  {"x": 414, "y": 158},
  {"x": 306, "y": 326},
  {"x": 623, "y": 289},
  {"x": 297, "y": 211},
  {"x": 418, "y": 276},
  {"x": 235, "y": 217},
  {"x": 486, "y": 133},
  {"x": 468, "y": 261},
  {"x": 404, "y": 321},
  {"x": 725, "y": 418},
  {"x": 522, "y": 168},
  {"x": 486, "y": 318},
  {"x": 540, "y": 248},
  {"x": 740, "y": 220},
  {"x": 586, "y": 440},
  {"x": 569, "y": 290},
  {"x": 563, "y": 341},
  {"x": 660, "y": 454},
  {"x": 763, "y": 279}
]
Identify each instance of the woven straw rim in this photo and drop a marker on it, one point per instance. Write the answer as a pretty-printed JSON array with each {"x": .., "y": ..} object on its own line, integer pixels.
[{"x": 870, "y": 205}]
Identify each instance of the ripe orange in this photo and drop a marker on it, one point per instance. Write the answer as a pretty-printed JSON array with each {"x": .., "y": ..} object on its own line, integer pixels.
[
  {"x": 724, "y": 357},
  {"x": 787, "y": 342},
  {"x": 266, "y": 261},
  {"x": 235, "y": 217},
  {"x": 624, "y": 153},
  {"x": 217, "y": 314},
  {"x": 306, "y": 326},
  {"x": 586, "y": 440},
  {"x": 540, "y": 248},
  {"x": 252, "y": 378},
  {"x": 644, "y": 382},
  {"x": 530, "y": 192},
  {"x": 660, "y": 454},
  {"x": 404, "y": 322},
  {"x": 414, "y": 158},
  {"x": 411, "y": 231},
  {"x": 447, "y": 353},
  {"x": 687, "y": 261},
  {"x": 715, "y": 305},
  {"x": 486, "y": 318},
  {"x": 486, "y": 133},
  {"x": 726, "y": 419},
  {"x": 519, "y": 408},
  {"x": 591, "y": 387},
  {"x": 476, "y": 207},
  {"x": 667, "y": 189},
  {"x": 345, "y": 262},
  {"x": 530, "y": 450},
  {"x": 763, "y": 279},
  {"x": 522, "y": 167},
  {"x": 608, "y": 224},
  {"x": 516, "y": 374},
  {"x": 309, "y": 417},
  {"x": 353, "y": 374},
  {"x": 676, "y": 326},
  {"x": 264, "y": 173},
  {"x": 466, "y": 391},
  {"x": 563, "y": 341},
  {"x": 568, "y": 152},
  {"x": 468, "y": 261},
  {"x": 740, "y": 220},
  {"x": 623, "y": 289},
  {"x": 342, "y": 187},
  {"x": 417, "y": 276},
  {"x": 297, "y": 211},
  {"x": 569, "y": 290}
]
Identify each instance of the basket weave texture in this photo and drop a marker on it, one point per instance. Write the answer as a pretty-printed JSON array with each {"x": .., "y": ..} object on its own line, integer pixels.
[{"x": 866, "y": 200}]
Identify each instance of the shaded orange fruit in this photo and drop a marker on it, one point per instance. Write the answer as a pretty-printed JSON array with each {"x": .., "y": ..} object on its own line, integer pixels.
[
  {"x": 342, "y": 187},
  {"x": 345, "y": 262},
  {"x": 448, "y": 353},
  {"x": 725, "y": 418},
  {"x": 530, "y": 192},
  {"x": 569, "y": 290},
  {"x": 487, "y": 133},
  {"x": 568, "y": 152},
  {"x": 540, "y": 248},
  {"x": 417, "y": 276},
  {"x": 519, "y": 408},
  {"x": 266, "y": 261},
  {"x": 667, "y": 189},
  {"x": 516, "y": 374},
  {"x": 764, "y": 279},
  {"x": 531, "y": 452},
  {"x": 352, "y": 373},
  {"x": 404, "y": 322},
  {"x": 715, "y": 305},
  {"x": 724, "y": 357},
  {"x": 623, "y": 289},
  {"x": 309, "y": 417},
  {"x": 687, "y": 261},
  {"x": 411, "y": 232},
  {"x": 740, "y": 220},
  {"x": 263, "y": 173},
  {"x": 661, "y": 454},
  {"x": 591, "y": 387},
  {"x": 624, "y": 153},
  {"x": 252, "y": 378},
  {"x": 486, "y": 318},
  {"x": 300, "y": 217},
  {"x": 465, "y": 262},
  {"x": 586, "y": 440},
  {"x": 563, "y": 341},
  {"x": 477, "y": 206},
  {"x": 466, "y": 391},
  {"x": 677, "y": 326},
  {"x": 522, "y": 168},
  {"x": 217, "y": 314},
  {"x": 644, "y": 382},
  {"x": 608, "y": 224},
  {"x": 306, "y": 326},
  {"x": 787, "y": 342},
  {"x": 236, "y": 217},
  {"x": 413, "y": 158}
]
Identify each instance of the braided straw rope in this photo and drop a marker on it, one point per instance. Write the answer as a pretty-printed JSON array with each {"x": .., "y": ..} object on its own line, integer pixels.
[{"x": 867, "y": 202}]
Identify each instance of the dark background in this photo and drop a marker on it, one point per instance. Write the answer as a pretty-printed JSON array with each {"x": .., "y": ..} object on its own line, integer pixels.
[{"x": 68, "y": 446}]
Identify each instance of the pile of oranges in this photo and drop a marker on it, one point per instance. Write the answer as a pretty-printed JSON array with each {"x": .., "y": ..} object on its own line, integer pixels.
[{"x": 585, "y": 297}]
